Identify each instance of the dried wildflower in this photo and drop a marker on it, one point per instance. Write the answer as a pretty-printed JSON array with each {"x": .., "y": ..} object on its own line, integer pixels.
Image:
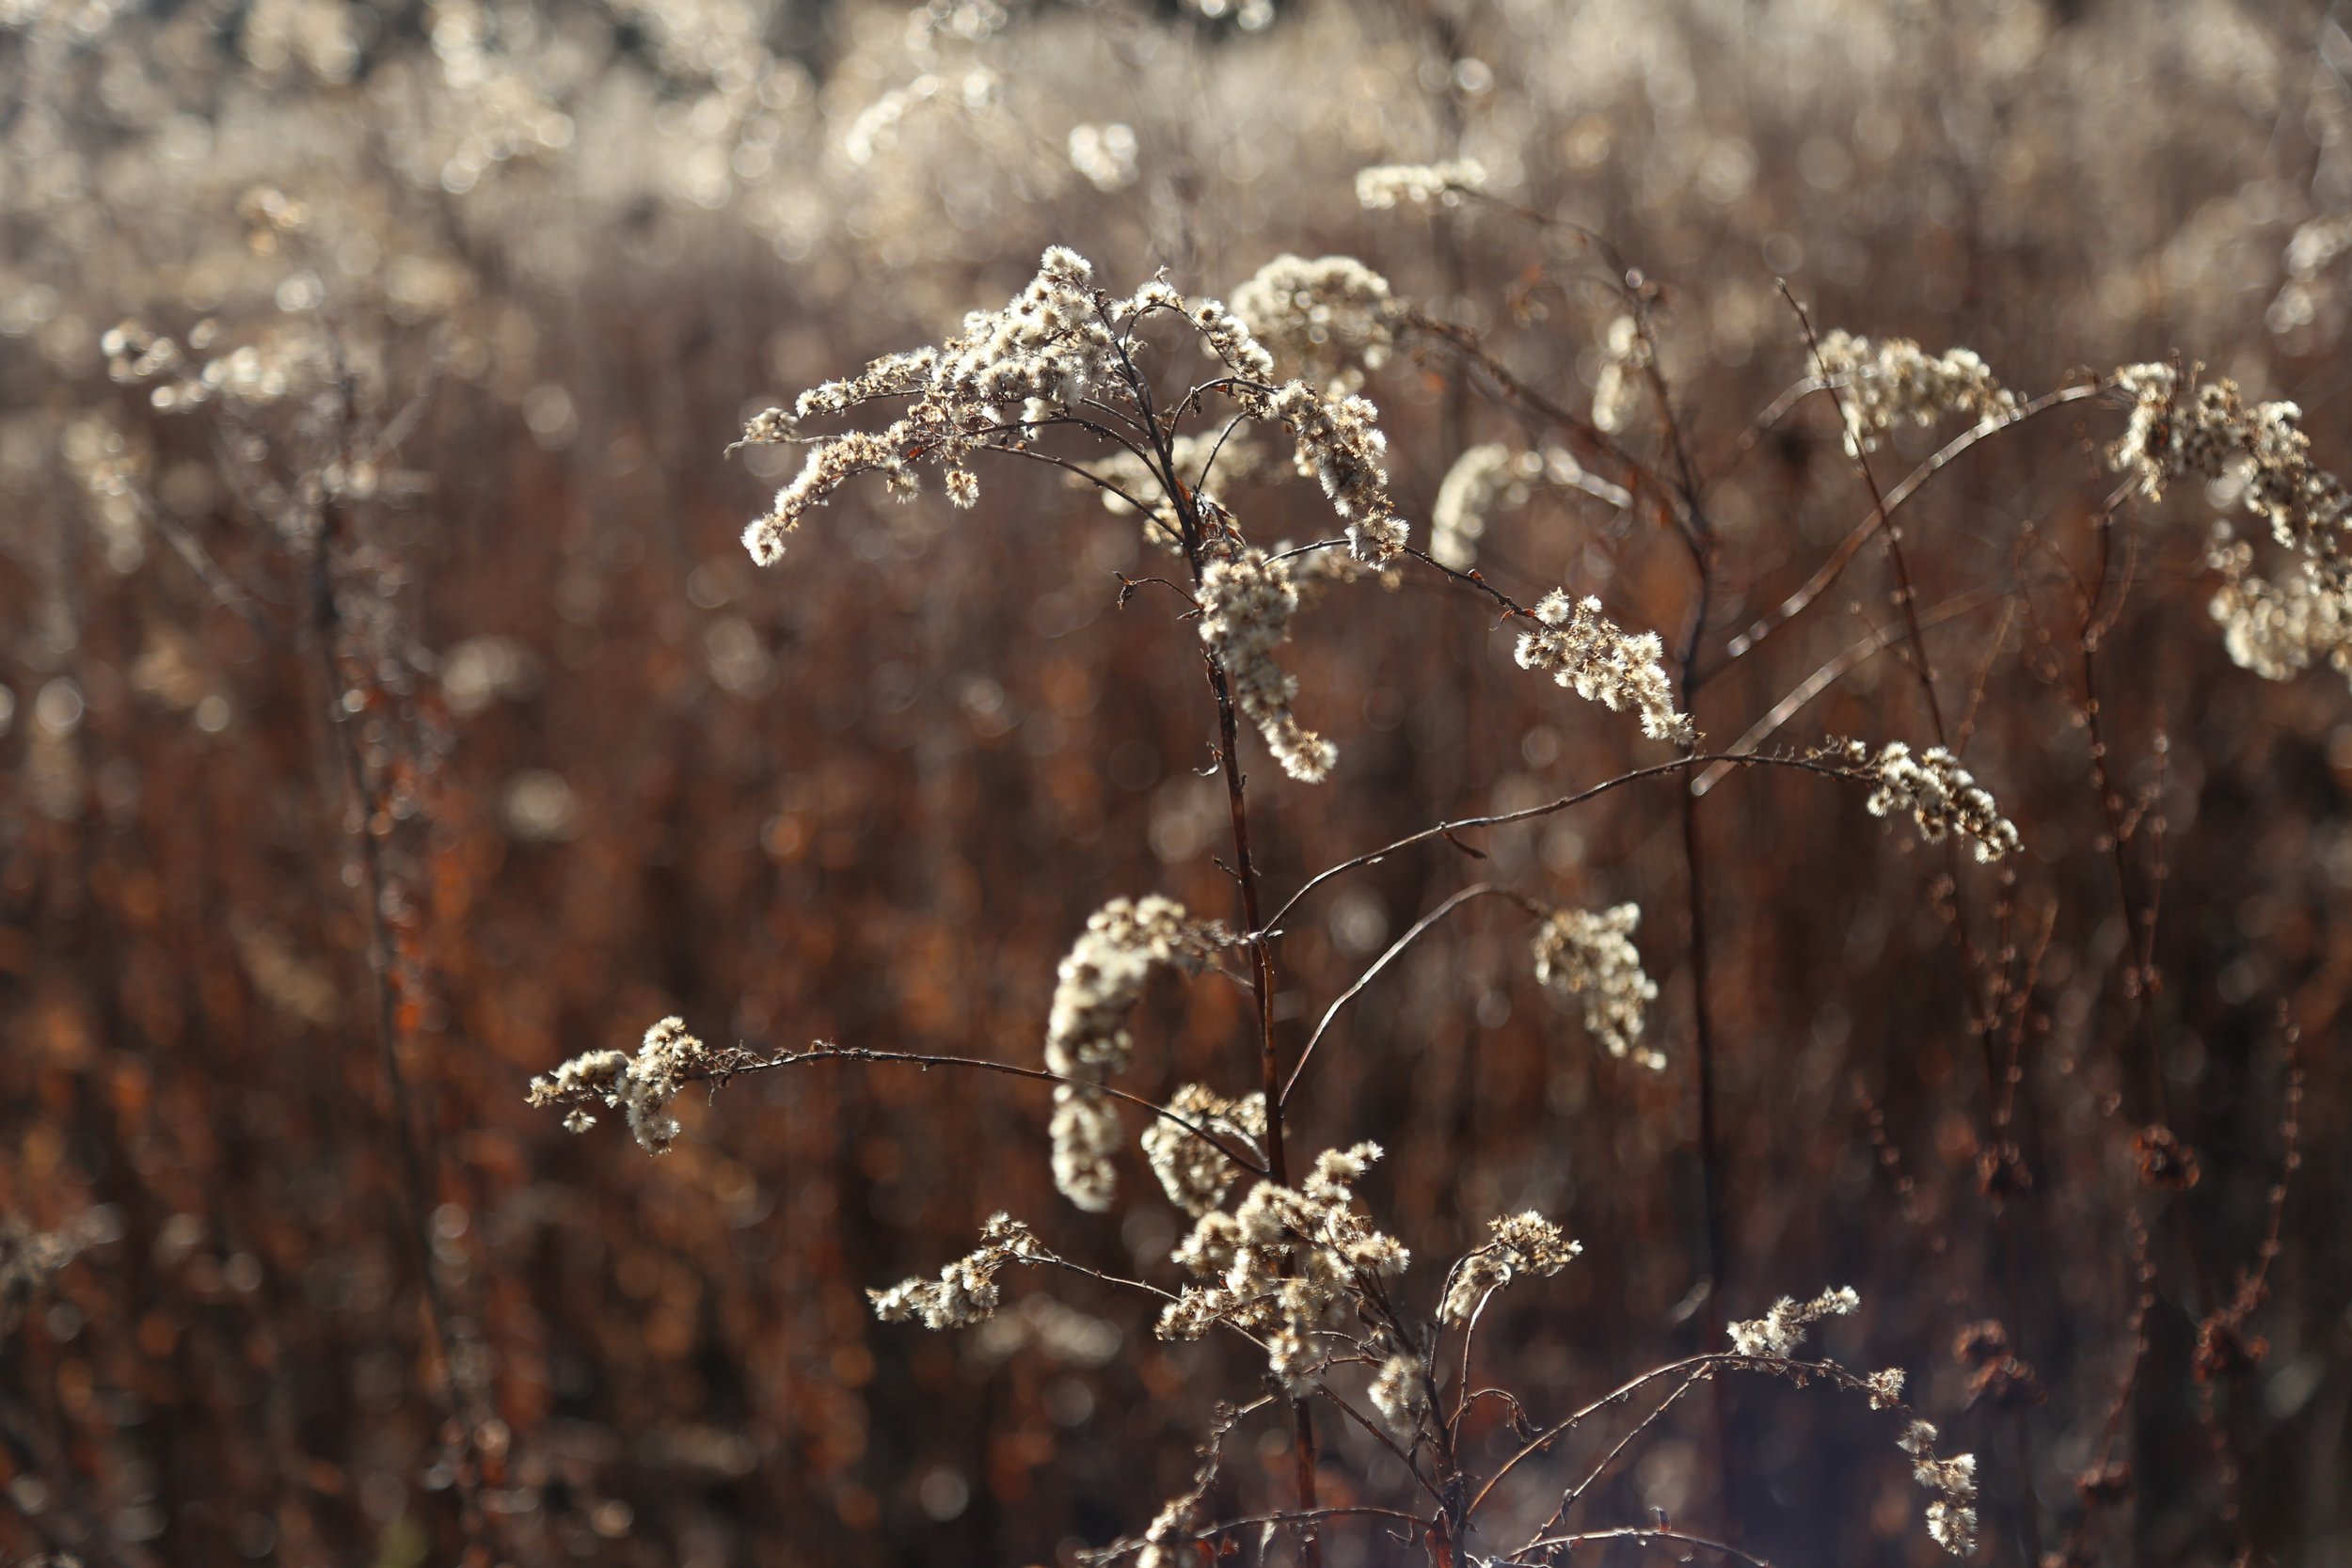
[
  {"x": 1884, "y": 1387},
  {"x": 641, "y": 1085},
  {"x": 1247, "y": 601},
  {"x": 1521, "y": 1243},
  {"x": 1084, "y": 1134},
  {"x": 1316, "y": 1232},
  {"x": 1488, "y": 478},
  {"x": 1100, "y": 981},
  {"x": 1390, "y": 184},
  {"x": 1046, "y": 348},
  {"x": 1896, "y": 382},
  {"x": 1339, "y": 448},
  {"x": 1623, "y": 374},
  {"x": 1332, "y": 317},
  {"x": 1604, "y": 663},
  {"x": 1195, "y": 1174},
  {"x": 1952, "y": 1513},
  {"x": 1777, "y": 1334},
  {"x": 2280, "y": 628},
  {"x": 1484, "y": 478},
  {"x": 1940, "y": 794},
  {"x": 1170, "y": 1527},
  {"x": 1101, "y": 977},
  {"x": 2306, "y": 508},
  {"x": 1401, "y": 1395},
  {"x": 1590, "y": 957},
  {"x": 965, "y": 1291}
]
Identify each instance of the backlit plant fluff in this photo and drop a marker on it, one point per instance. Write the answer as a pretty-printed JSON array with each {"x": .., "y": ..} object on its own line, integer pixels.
[{"x": 1286, "y": 1255}]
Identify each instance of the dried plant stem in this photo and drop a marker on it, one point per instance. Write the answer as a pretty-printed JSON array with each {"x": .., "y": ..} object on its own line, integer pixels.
[
  {"x": 417, "y": 1205},
  {"x": 825, "y": 1051}
]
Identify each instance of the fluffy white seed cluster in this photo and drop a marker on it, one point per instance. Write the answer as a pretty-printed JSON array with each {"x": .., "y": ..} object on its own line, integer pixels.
[
  {"x": 1246, "y": 602},
  {"x": 1952, "y": 1511},
  {"x": 1338, "y": 445},
  {"x": 1400, "y": 1395},
  {"x": 1035, "y": 358},
  {"x": 1490, "y": 478},
  {"x": 1100, "y": 981},
  {"x": 1588, "y": 958},
  {"x": 1602, "y": 662},
  {"x": 1193, "y": 1172},
  {"x": 1882, "y": 385},
  {"x": 1624, "y": 366},
  {"x": 1521, "y": 1243},
  {"x": 1776, "y": 1335},
  {"x": 1394, "y": 185},
  {"x": 1333, "y": 317},
  {"x": 965, "y": 1291},
  {"x": 2279, "y": 628},
  {"x": 1484, "y": 478},
  {"x": 1284, "y": 1264},
  {"x": 1055, "y": 347},
  {"x": 640, "y": 1086},
  {"x": 1942, "y": 797},
  {"x": 2306, "y": 507}
]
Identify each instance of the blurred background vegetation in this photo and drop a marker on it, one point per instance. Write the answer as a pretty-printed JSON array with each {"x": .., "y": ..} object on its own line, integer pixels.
[{"x": 464, "y": 300}]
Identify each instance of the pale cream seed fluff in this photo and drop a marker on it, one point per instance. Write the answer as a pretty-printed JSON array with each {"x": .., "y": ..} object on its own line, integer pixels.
[
  {"x": 1284, "y": 1264},
  {"x": 965, "y": 1291},
  {"x": 640, "y": 1087},
  {"x": 1247, "y": 601},
  {"x": 1882, "y": 385},
  {"x": 1518, "y": 1245},
  {"x": 1393, "y": 184},
  {"x": 1587, "y": 958},
  {"x": 1951, "y": 1515},
  {"x": 1776, "y": 1335},
  {"x": 1602, "y": 662},
  {"x": 1942, "y": 797},
  {"x": 1490, "y": 478},
  {"x": 1099, "y": 982},
  {"x": 1617, "y": 389},
  {"x": 1332, "y": 317},
  {"x": 1194, "y": 1173},
  {"x": 1400, "y": 1395}
]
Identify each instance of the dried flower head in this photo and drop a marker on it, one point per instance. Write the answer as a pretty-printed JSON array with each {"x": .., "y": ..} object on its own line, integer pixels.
[
  {"x": 1194, "y": 1173},
  {"x": 1100, "y": 981},
  {"x": 1589, "y": 957},
  {"x": 1896, "y": 382},
  {"x": 965, "y": 1291},
  {"x": 1776, "y": 1335},
  {"x": 2279, "y": 628},
  {"x": 1052, "y": 356},
  {"x": 1941, "y": 795},
  {"x": 1390, "y": 184},
  {"x": 1247, "y": 601},
  {"x": 642, "y": 1085},
  {"x": 1521, "y": 1244},
  {"x": 2305, "y": 507},
  {"x": 1952, "y": 1513},
  {"x": 1331, "y": 317},
  {"x": 1604, "y": 663},
  {"x": 1285, "y": 1263},
  {"x": 1400, "y": 1394}
]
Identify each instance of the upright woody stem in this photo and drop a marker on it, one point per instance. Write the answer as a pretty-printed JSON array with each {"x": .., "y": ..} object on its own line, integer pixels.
[{"x": 1260, "y": 950}]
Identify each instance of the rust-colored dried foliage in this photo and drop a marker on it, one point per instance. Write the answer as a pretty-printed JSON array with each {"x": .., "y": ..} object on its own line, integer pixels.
[{"x": 388, "y": 712}]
